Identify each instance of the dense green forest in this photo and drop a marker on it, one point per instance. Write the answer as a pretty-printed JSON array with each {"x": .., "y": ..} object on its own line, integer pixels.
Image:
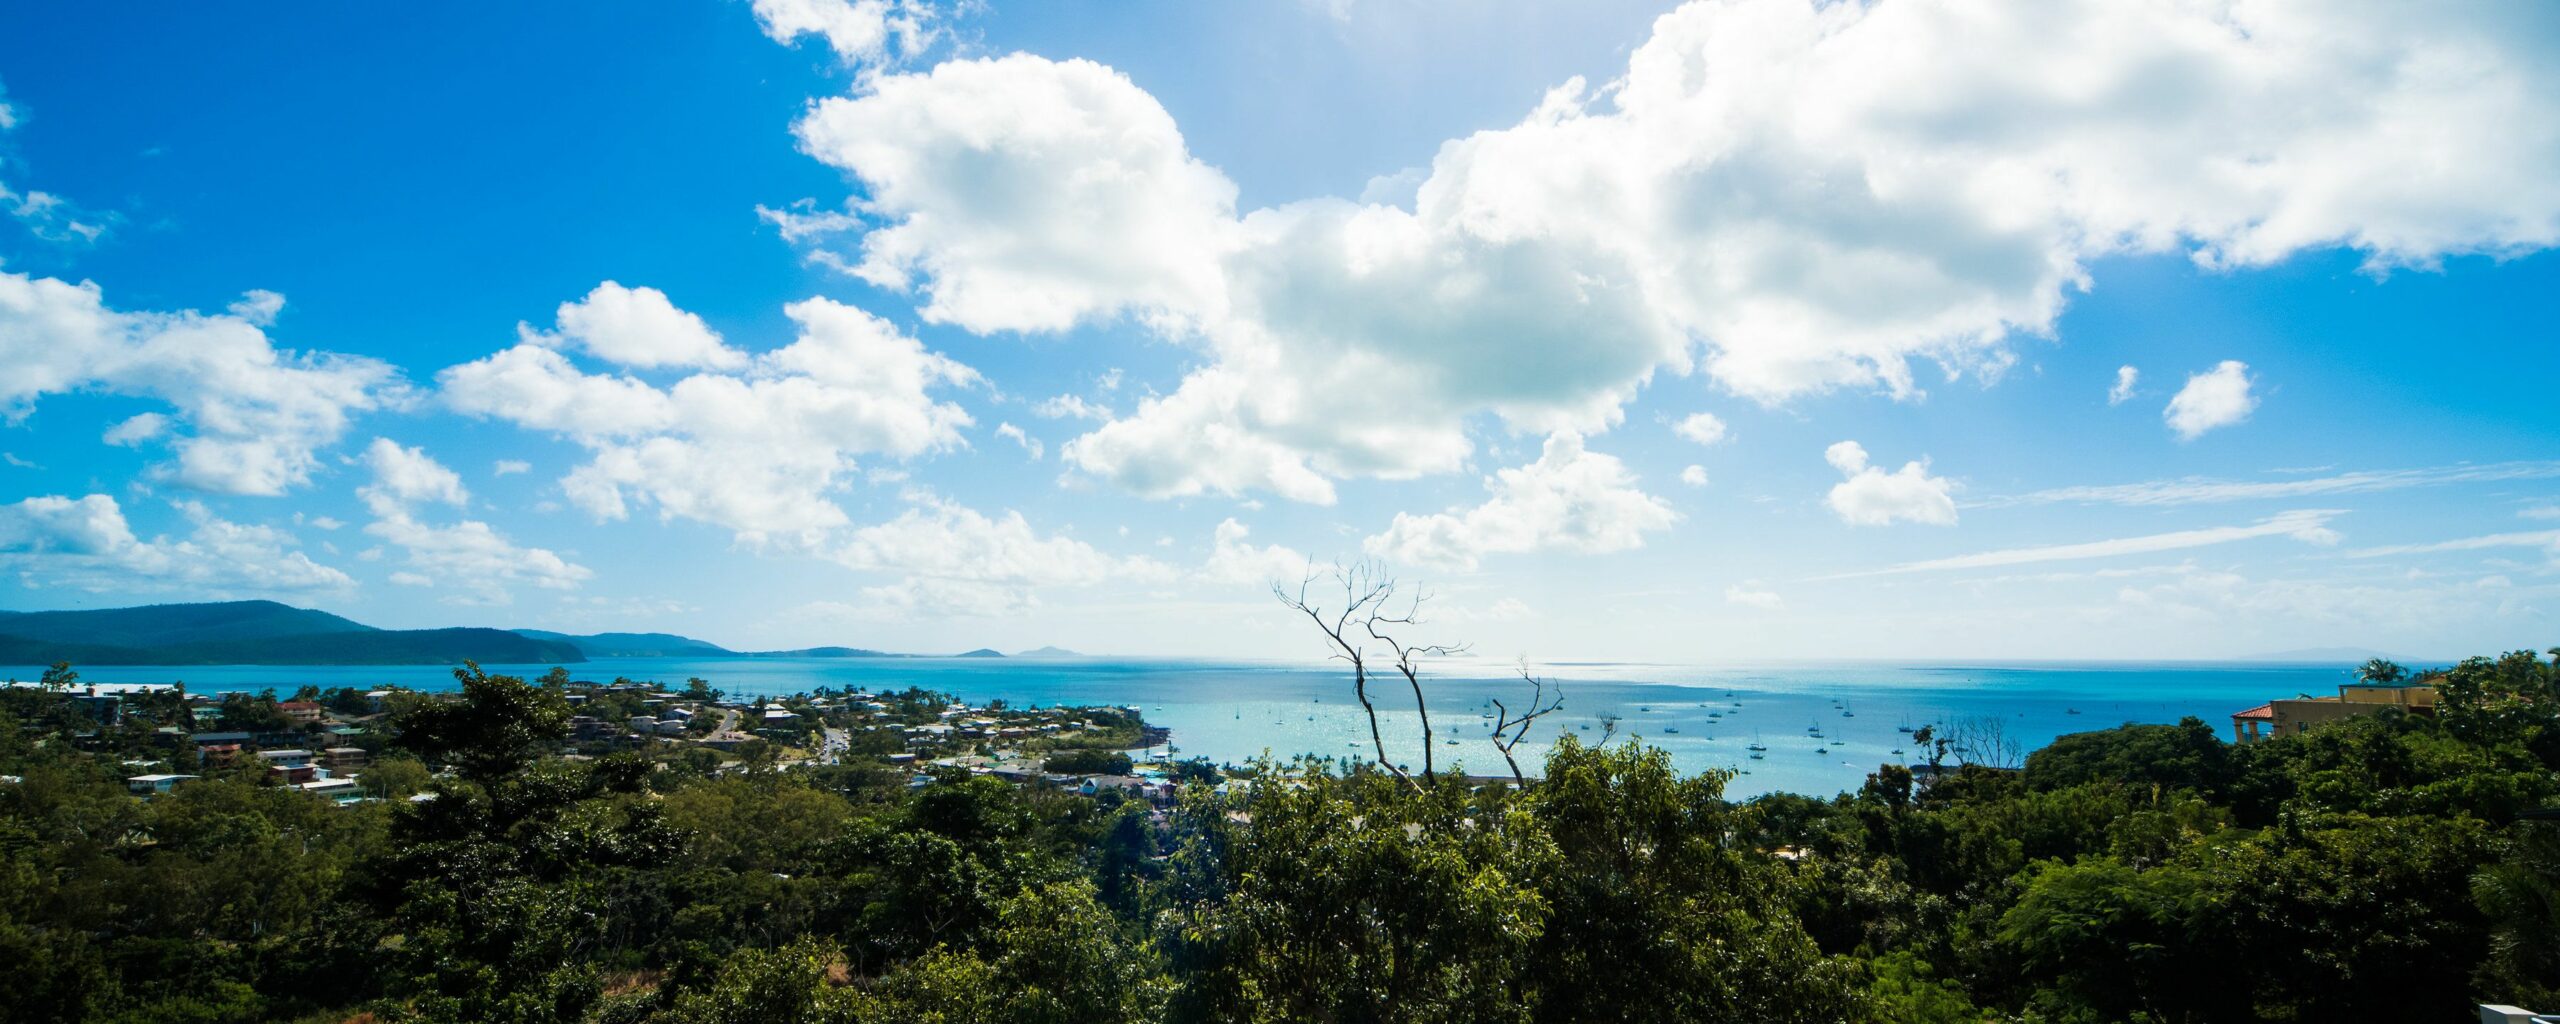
[{"x": 2384, "y": 868}]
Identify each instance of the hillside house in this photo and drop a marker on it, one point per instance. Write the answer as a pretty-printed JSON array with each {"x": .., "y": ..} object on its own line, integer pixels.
[
  {"x": 2290, "y": 716},
  {"x": 152, "y": 785}
]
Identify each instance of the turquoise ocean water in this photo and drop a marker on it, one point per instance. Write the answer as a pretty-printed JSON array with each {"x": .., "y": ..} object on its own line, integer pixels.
[{"x": 1232, "y": 711}]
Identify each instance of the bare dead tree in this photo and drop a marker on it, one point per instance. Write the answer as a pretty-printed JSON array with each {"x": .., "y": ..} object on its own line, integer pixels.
[
  {"x": 1408, "y": 660},
  {"x": 1984, "y": 740},
  {"x": 1510, "y": 729},
  {"x": 1367, "y": 614}
]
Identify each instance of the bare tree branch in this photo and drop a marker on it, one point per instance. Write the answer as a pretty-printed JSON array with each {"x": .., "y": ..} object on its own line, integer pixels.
[
  {"x": 1364, "y": 592},
  {"x": 1509, "y": 730},
  {"x": 1407, "y": 661}
]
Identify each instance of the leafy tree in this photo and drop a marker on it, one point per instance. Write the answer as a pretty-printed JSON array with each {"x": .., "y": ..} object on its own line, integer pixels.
[
  {"x": 2520, "y": 895},
  {"x": 1087, "y": 762},
  {"x": 497, "y": 727},
  {"x": 2183, "y": 756},
  {"x": 253, "y": 713}
]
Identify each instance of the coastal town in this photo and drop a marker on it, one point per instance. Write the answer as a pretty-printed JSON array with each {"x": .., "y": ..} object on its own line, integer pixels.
[{"x": 327, "y": 742}]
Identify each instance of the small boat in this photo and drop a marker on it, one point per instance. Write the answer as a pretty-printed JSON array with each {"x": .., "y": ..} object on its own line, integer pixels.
[
  {"x": 1902, "y": 728},
  {"x": 1756, "y": 748},
  {"x": 1757, "y": 756},
  {"x": 1897, "y": 751},
  {"x": 1822, "y": 750},
  {"x": 2071, "y": 711},
  {"x": 1453, "y": 743},
  {"x": 1586, "y": 727},
  {"x": 1673, "y": 729}
]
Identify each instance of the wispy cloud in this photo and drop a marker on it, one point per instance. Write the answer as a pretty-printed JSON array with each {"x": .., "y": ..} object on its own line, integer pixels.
[
  {"x": 2531, "y": 539},
  {"x": 2309, "y": 525},
  {"x": 2206, "y": 490}
]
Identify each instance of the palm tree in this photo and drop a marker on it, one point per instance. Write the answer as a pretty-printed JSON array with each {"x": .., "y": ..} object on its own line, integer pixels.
[{"x": 2381, "y": 672}]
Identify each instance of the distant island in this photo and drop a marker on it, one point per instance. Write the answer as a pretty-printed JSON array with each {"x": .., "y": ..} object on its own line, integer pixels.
[
  {"x": 272, "y": 633},
  {"x": 2341, "y": 655}
]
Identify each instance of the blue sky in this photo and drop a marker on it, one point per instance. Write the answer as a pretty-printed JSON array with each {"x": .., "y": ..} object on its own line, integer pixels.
[{"x": 907, "y": 326}]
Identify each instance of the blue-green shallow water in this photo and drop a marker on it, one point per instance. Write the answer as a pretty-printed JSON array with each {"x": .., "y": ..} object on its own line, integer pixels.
[{"x": 1234, "y": 711}]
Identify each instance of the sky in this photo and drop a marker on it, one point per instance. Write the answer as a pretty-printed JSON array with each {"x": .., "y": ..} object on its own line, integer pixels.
[{"x": 1723, "y": 331}]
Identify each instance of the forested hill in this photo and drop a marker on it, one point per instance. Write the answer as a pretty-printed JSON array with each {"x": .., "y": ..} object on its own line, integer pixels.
[
  {"x": 634, "y": 645},
  {"x": 253, "y": 633}
]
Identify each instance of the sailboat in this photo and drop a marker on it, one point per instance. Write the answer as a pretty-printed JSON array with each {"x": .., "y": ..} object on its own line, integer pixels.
[{"x": 1846, "y": 713}]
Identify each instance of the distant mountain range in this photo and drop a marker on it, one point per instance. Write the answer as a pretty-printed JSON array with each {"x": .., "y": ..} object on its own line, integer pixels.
[
  {"x": 269, "y": 633},
  {"x": 253, "y": 633}
]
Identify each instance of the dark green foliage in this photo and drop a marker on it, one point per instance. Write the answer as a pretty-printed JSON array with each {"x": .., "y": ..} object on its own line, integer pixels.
[
  {"x": 2381, "y": 868},
  {"x": 500, "y": 725},
  {"x": 2183, "y": 756},
  {"x": 1087, "y": 762}
]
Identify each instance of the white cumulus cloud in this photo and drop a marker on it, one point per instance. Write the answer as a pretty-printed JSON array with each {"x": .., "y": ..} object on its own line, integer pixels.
[
  {"x": 1700, "y": 428},
  {"x": 759, "y": 452},
  {"x": 953, "y": 559},
  {"x": 2218, "y": 397},
  {"x": 636, "y": 327},
  {"x": 246, "y": 417},
  {"x": 467, "y": 556},
  {"x": 1030, "y": 445},
  {"x": 1025, "y": 193},
  {"x": 1793, "y": 196},
  {"x": 86, "y": 543},
  {"x": 1872, "y": 497},
  {"x": 1571, "y": 498},
  {"x": 2126, "y": 378},
  {"x": 862, "y": 33},
  {"x": 1235, "y": 560}
]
